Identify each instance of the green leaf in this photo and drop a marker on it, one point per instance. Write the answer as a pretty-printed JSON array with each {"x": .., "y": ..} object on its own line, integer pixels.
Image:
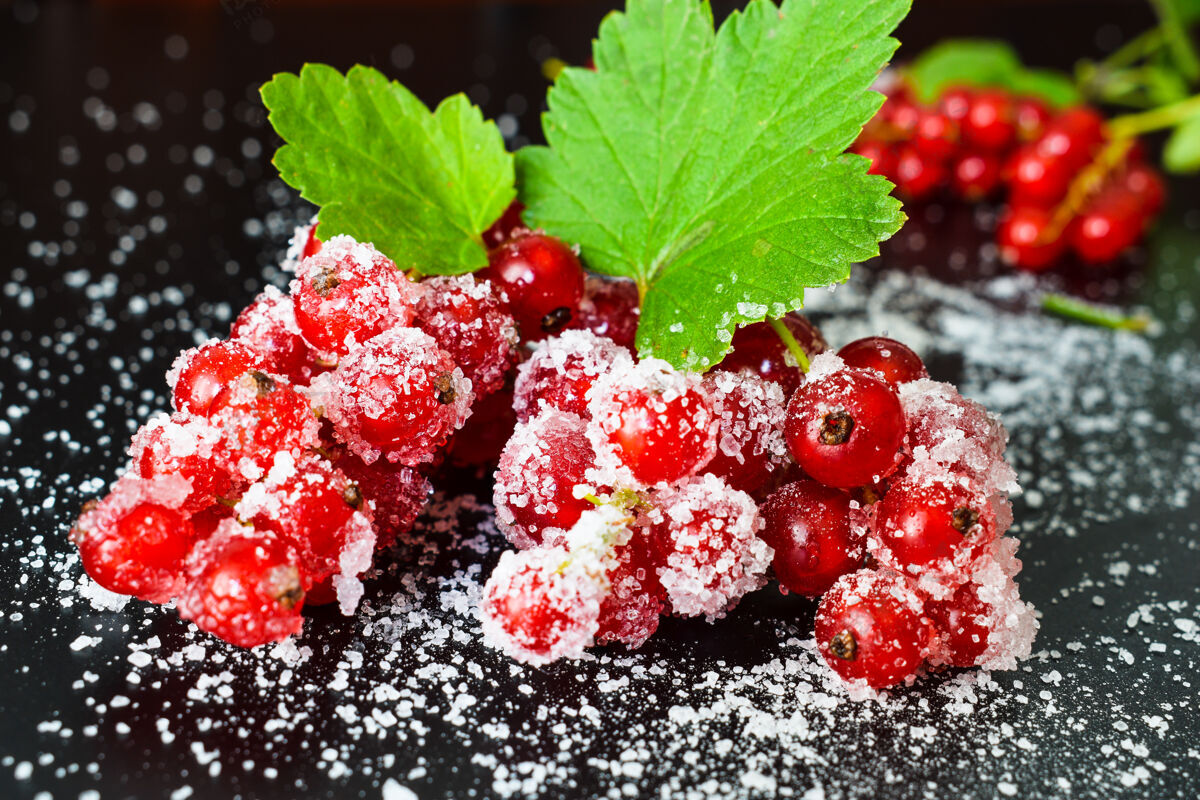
[
  {"x": 1175, "y": 16},
  {"x": 708, "y": 165},
  {"x": 985, "y": 62},
  {"x": 421, "y": 186},
  {"x": 1182, "y": 151}
]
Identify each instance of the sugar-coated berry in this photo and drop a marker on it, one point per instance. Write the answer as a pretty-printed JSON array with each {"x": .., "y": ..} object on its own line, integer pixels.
[
  {"x": 925, "y": 520},
  {"x": 539, "y": 607},
  {"x": 188, "y": 447},
  {"x": 651, "y": 424},
  {"x": 348, "y": 293},
  {"x": 399, "y": 395},
  {"x": 808, "y": 526},
  {"x": 471, "y": 324},
  {"x": 869, "y": 629},
  {"x": 396, "y": 494},
  {"x": 261, "y": 416},
  {"x": 706, "y": 537},
  {"x": 562, "y": 370},
  {"x": 201, "y": 373},
  {"x": 757, "y": 348},
  {"x": 244, "y": 586},
  {"x": 631, "y": 609},
  {"x": 845, "y": 426},
  {"x": 534, "y": 490},
  {"x": 895, "y": 361},
  {"x": 610, "y": 308},
  {"x": 268, "y": 328},
  {"x": 1025, "y": 240},
  {"x": 961, "y": 621},
  {"x": 131, "y": 544},
  {"x": 542, "y": 281},
  {"x": 750, "y": 446}
]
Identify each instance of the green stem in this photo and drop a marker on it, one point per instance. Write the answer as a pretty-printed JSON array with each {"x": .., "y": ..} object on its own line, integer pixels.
[
  {"x": 1134, "y": 50},
  {"x": 1155, "y": 119},
  {"x": 1072, "y": 308},
  {"x": 1183, "y": 52},
  {"x": 789, "y": 341}
]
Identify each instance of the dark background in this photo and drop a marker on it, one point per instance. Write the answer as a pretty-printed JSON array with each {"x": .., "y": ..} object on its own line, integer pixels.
[{"x": 161, "y": 102}]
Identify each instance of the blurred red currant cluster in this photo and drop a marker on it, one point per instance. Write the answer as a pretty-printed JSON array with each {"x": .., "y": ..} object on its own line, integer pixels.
[
  {"x": 634, "y": 490},
  {"x": 1068, "y": 183},
  {"x": 299, "y": 446}
]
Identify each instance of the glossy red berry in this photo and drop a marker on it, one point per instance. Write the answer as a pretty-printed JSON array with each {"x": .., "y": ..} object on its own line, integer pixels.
[
  {"x": 1147, "y": 185},
  {"x": 483, "y": 436},
  {"x": 133, "y": 546},
  {"x": 244, "y": 586},
  {"x": 542, "y": 281},
  {"x": 651, "y": 424},
  {"x": 894, "y": 360},
  {"x": 509, "y": 223},
  {"x": 312, "y": 245},
  {"x": 808, "y": 525},
  {"x": 975, "y": 176},
  {"x": 1073, "y": 137},
  {"x": 757, "y": 349},
  {"x": 990, "y": 122},
  {"x": 1037, "y": 178},
  {"x": 348, "y": 293},
  {"x": 881, "y": 155},
  {"x": 961, "y": 621},
  {"x": 610, "y": 308},
  {"x": 200, "y": 374},
  {"x": 902, "y": 116},
  {"x": 845, "y": 428},
  {"x": 922, "y": 521},
  {"x": 917, "y": 175},
  {"x": 936, "y": 135},
  {"x": 1032, "y": 116},
  {"x": 1110, "y": 223},
  {"x": 868, "y": 628},
  {"x": 956, "y": 103},
  {"x": 1025, "y": 241}
]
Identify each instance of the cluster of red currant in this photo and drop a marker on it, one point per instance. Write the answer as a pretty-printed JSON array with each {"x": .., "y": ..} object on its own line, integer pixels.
[
  {"x": 298, "y": 446},
  {"x": 1069, "y": 184},
  {"x": 633, "y": 490}
]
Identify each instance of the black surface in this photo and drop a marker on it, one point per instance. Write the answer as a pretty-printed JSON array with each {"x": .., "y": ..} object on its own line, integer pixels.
[{"x": 55, "y": 351}]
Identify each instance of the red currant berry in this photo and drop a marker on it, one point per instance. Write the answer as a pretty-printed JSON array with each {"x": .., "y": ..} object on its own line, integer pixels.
[
  {"x": 348, "y": 293},
  {"x": 472, "y": 326},
  {"x": 397, "y": 495},
  {"x": 1072, "y": 137},
  {"x": 1037, "y": 178},
  {"x": 881, "y": 155},
  {"x": 1032, "y": 116},
  {"x": 1147, "y": 185},
  {"x": 538, "y": 607},
  {"x": 895, "y": 361},
  {"x": 975, "y": 176},
  {"x": 651, "y": 424},
  {"x": 198, "y": 375},
  {"x": 936, "y": 135},
  {"x": 962, "y": 622},
  {"x": 506, "y": 226},
  {"x": 902, "y": 116},
  {"x": 808, "y": 525},
  {"x": 1110, "y": 223},
  {"x": 706, "y": 538},
  {"x": 542, "y": 280},
  {"x": 918, "y": 176},
  {"x": 750, "y": 445},
  {"x": 610, "y": 308},
  {"x": 399, "y": 395},
  {"x": 956, "y": 103},
  {"x": 131, "y": 545},
  {"x": 845, "y": 427},
  {"x": 868, "y": 628},
  {"x": 243, "y": 587},
  {"x": 1023, "y": 240},
  {"x": 921, "y": 522},
  {"x": 541, "y": 465},
  {"x": 483, "y": 436},
  {"x": 561, "y": 372},
  {"x": 261, "y": 416},
  {"x": 635, "y": 601},
  {"x": 268, "y": 328},
  {"x": 990, "y": 123},
  {"x": 757, "y": 349},
  {"x": 185, "y": 447}
]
